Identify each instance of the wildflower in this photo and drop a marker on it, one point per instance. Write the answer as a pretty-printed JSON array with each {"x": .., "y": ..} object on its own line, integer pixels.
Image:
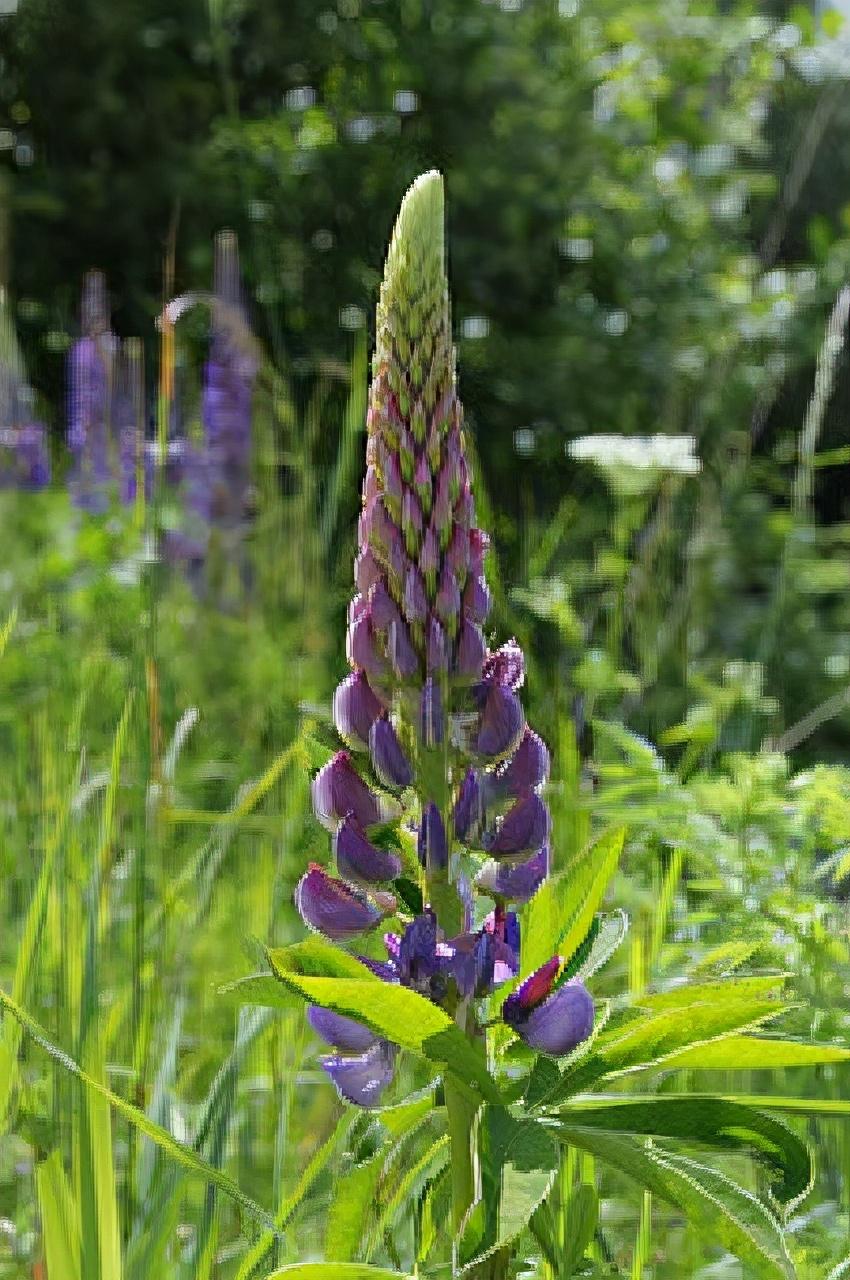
[
  {"x": 332, "y": 906},
  {"x": 551, "y": 1018},
  {"x": 91, "y": 384}
]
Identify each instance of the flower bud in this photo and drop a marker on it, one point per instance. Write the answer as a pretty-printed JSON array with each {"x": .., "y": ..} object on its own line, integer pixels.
[
  {"x": 524, "y": 828},
  {"x": 403, "y": 656},
  {"x": 436, "y": 657},
  {"x": 363, "y": 650},
  {"x": 432, "y": 845},
  {"x": 515, "y": 881},
  {"x": 355, "y": 709},
  {"x": 448, "y": 601},
  {"x": 343, "y": 1033},
  {"x": 332, "y": 906},
  {"x": 527, "y": 769},
  {"x": 469, "y": 656},
  {"x": 431, "y": 714},
  {"x": 411, "y": 521},
  {"x": 506, "y": 666},
  {"x": 338, "y": 790},
  {"x": 415, "y": 600},
  {"x": 358, "y": 860},
  {"x": 389, "y": 761},
  {"x": 468, "y": 811},
  {"x": 554, "y": 1020},
  {"x": 476, "y": 599},
  {"x": 362, "y": 1079},
  {"x": 502, "y": 720}
]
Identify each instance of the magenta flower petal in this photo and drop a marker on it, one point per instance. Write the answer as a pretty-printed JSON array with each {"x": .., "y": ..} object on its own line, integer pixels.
[
  {"x": 343, "y": 1033},
  {"x": 556, "y": 1025},
  {"x": 502, "y": 721},
  {"x": 332, "y": 906},
  {"x": 362, "y": 1079},
  {"x": 506, "y": 666},
  {"x": 359, "y": 860},
  {"x": 524, "y": 828},
  {"x": 339, "y": 790},
  {"x": 391, "y": 764},
  {"x": 355, "y": 709}
]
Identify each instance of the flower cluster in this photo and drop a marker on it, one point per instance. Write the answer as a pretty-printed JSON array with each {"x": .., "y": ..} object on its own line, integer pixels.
[
  {"x": 434, "y": 715},
  {"x": 24, "y": 454}
]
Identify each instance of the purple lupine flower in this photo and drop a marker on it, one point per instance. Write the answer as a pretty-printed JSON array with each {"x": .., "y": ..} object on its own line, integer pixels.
[
  {"x": 524, "y": 828},
  {"x": 422, "y": 676},
  {"x": 390, "y": 763},
  {"x": 91, "y": 384},
  {"x": 363, "y": 1078},
  {"x": 360, "y": 861},
  {"x": 355, "y": 709},
  {"x": 339, "y": 790},
  {"x": 332, "y": 906},
  {"x": 229, "y": 375},
  {"x": 554, "y": 1019},
  {"x": 515, "y": 881},
  {"x": 343, "y": 1033},
  {"x": 31, "y": 465}
]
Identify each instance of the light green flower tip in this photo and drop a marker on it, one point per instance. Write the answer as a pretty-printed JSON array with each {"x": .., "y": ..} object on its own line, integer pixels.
[{"x": 419, "y": 230}]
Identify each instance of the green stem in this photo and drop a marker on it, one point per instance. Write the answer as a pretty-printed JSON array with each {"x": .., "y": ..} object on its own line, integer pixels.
[{"x": 461, "y": 1111}]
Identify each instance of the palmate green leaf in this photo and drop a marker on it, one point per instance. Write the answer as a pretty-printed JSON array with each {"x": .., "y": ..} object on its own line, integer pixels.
[
  {"x": 751, "y": 1053},
  {"x": 560, "y": 914},
  {"x": 710, "y": 1121},
  {"x": 722, "y": 1211},
  {"x": 398, "y": 1014},
  {"x": 336, "y": 1271},
  {"x": 519, "y": 1163}
]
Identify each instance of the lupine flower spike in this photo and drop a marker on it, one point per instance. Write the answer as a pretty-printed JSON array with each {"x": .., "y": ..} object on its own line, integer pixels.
[
  {"x": 428, "y": 712},
  {"x": 91, "y": 386}
]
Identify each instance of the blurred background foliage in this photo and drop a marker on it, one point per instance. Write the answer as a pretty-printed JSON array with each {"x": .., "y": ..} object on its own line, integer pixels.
[{"x": 649, "y": 233}]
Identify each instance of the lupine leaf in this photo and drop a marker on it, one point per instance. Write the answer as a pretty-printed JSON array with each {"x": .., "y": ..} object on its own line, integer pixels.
[
  {"x": 400, "y": 1015},
  {"x": 748, "y": 1053},
  {"x": 335, "y": 1271},
  {"x": 718, "y": 1208},
  {"x": 316, "y": 958},
  {"x": 519, "y": 1164},
  {"x": 715, "y": 1122},
  {"x": 353, "y": 1198},
  {"x": 691, "y": 993}
]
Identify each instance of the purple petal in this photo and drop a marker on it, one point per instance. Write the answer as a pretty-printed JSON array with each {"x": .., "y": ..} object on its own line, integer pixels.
[
  {"x": 477, "y": 599},
  {"x": 391, "y": 764},
  {"x": 502, "y": 721},
  {"x": 429, "y": 557},
  {"x": 471, "y": 649},
  {"x": 402, "y": 654},
  {"x": 343, "y": 1033},
  {"x": 366, "y": 572},
  {"x": 432, "y": 846},
  {"x": 431, "y": 726},
  {"x": 332, "y": 906},
  {"x": 457, "y": 555},
  {"x": 436, "y": 655},
  {"x": 338, "y": 790},
  {"x": 421, "y": 958},
  {"x": 448, "y": 600},
  {"x": 557, "y": 1025},
  {"x": 473, "y": 962},
  {"x": 468, "y": 811},
  {"x": 383, "y": 609},
  {"x": 355, "y": 709},
  {"x": 478, "y": 545},
  {"x": 363, "y": 649},
  {"x": 519, "y": 881},
  {"x": 506, "y": 666},
  {"x": 415, "y": 601},
  {"x": 362, "y": 1079},
  {"x": 527, "y": 769},
  {"x": 524, "y": 828},
  {"x": 359, "y": 860},
  {"x": 537, "y": 986}
]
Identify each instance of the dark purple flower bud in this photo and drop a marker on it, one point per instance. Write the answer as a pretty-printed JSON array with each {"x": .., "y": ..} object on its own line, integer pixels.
[
  {"x": 366, "y": 572},
  {"x": 355, "y": 709},
  {"x": 436, "y": 656},
  {"x": 420, "y": 958},
  {"x": 403, "y": 656},
  {"x": 516, "y": 881},
  {"x": 527, "y": 769},
  {"x": 473, "y": 963},
  {"x": 468, "y": 810},
  {"x": 477, "y": 599},
  {"x": 362, "y": 1079},
  {"x": 431, "y": 726},
  {"x": 343, "y": 1033},
  {"x": 469, "y": 657},
  {"x": 415, "y": 600},
  {"x": 432, "y": 845},
  {"x": 339, "y": 790},
  {"x": 478, "y": 544},
  {"x": 502, "y": 720},
  {"x": 390, "y": 763},
  {"x": 332, "y": 906},
  {"x": 448, "y": 601},
  {"x": 554, "y": 1020},
  {"x": 362, "y": 647},
  {"x": 524, "y": 828},
  {"x": 506, "y": 666},
  {"x": 360, "y": 861},
  {"x": 422, "y": 483}
]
